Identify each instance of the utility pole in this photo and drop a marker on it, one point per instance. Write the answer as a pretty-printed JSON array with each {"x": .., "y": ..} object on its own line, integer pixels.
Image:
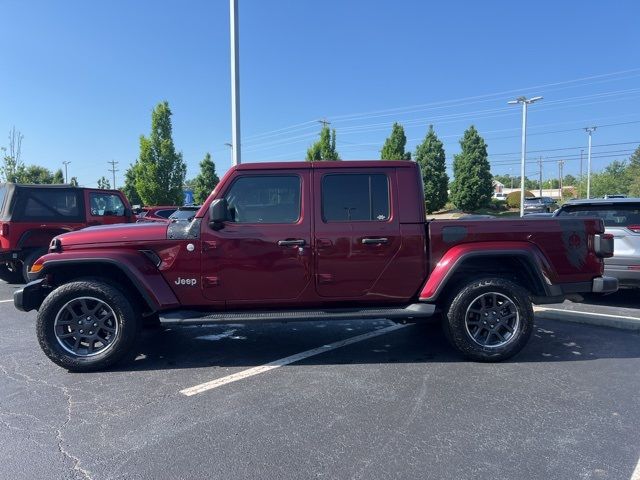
[
  {"x": 113, "y": 170},
  {"x": 589, "y": 130},
  {"x": 324, "y": 122},
  {"x": 66, "y": 176},
  {"x": 580, "y": 184},
  {"x": 525, "y": 102},
  {"x": 540, "y": 165},
  {"x": 235, "y": 83},
  {"x": 560, "y": 168}
]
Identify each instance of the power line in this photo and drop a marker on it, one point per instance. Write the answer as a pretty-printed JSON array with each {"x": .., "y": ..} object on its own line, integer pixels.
[{"x": 601, "y": 78}]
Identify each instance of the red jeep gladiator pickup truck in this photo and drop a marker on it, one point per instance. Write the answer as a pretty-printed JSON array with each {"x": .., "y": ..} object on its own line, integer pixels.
[
  {"x": 31, "y": 215},
  {"x": 311, "y": 241}
]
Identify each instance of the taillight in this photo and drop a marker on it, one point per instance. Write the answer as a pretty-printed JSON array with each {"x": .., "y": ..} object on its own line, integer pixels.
[
  {"x": 603, "y": 245},
  {"x": 4, "y": 230},
  {"x": 634, "y": 228}
]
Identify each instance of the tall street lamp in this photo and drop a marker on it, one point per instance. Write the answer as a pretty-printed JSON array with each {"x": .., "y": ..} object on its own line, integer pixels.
[
  {"x": 589, "y": 130},
  {"x": 66, "y": 177},
  {"x": 235, "y": 83},
  {"x": 525, "y": 102}
]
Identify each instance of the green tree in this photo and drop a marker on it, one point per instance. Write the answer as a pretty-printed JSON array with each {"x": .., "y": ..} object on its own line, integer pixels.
[
  {"x": 431, "y": 158},
  {"x": 35, "y": 174},
  {"x": 58, "y": 177},
  {"x": 393, "y": 148},
  {"x": 472, "y": 184},
  {"x": 206, "y": 180},
  {"x": 129, "y": 187},
  {"x": 613, "y": 179},
  {"x": 73, "y": 182},
  {"x": 160, "y": 172},
  {"x": 12, "y": 166},
  {"x": 633, "y": 173},
  {"x": 325, "y": 148},
  {"x": 569, "y": 180},
  {"x": 103, "y": 183}
]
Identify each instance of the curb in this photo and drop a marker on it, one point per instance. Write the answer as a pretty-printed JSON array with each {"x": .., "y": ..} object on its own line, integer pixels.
[{"x": 589, "y": 318}]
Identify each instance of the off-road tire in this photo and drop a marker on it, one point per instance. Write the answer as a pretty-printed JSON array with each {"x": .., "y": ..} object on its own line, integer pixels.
[
  {"x": 128, "y": 322},
  {"x": 455, "y": 318},
  {"x": 27, "y": 262}
]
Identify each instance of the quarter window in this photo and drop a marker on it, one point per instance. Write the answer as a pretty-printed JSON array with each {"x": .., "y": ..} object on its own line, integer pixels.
[
  {"x": 264, "y": 199},
  {"x": 355, "y": 197}
]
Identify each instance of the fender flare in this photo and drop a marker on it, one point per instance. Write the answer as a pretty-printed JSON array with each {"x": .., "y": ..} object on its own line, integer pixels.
[
  {"x": 453, "y": 259},
  {"x": 157, "y": 296}
]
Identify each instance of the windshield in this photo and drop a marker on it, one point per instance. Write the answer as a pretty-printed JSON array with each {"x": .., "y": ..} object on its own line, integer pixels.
[{"x": 3, "y": 193}]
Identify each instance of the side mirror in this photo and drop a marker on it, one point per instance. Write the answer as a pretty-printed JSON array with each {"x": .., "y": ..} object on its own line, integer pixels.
[{"x": 218, "y": 213}]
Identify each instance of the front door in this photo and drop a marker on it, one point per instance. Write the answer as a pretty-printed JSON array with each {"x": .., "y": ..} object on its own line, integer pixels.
[
  {"x": 262, "y": 255},
  {"x": 357, "y": 233}
]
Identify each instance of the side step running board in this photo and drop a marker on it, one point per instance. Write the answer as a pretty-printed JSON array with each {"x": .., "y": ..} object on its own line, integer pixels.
[{"x": 191, "y": 317}]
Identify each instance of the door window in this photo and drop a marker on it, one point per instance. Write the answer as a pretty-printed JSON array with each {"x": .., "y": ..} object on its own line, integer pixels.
[
  {"x": 264, "y": 199},
  {"x": 106, "y": 205},
  {"x": 355, "y": 197}
]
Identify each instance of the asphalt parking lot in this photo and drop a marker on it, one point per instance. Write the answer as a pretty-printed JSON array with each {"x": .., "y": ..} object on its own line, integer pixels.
[{"x": 397, "y": 402}]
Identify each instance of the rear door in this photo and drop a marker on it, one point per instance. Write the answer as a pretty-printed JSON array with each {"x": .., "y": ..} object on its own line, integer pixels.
[{"x": 357, "y": 233}]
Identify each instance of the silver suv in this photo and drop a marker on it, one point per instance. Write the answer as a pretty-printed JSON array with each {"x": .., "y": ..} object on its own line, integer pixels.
[{"x": 621, "y": 219}]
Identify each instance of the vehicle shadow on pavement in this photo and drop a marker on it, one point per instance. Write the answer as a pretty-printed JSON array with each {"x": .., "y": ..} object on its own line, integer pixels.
[
  {"x": 252, "y": 345},
  {"x": 629, "y": 298}
]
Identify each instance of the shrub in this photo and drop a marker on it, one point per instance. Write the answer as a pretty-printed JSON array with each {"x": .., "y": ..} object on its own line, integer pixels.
[{"x": 513, "y": 199}]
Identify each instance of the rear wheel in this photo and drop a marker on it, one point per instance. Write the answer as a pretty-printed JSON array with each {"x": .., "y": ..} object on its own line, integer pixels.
[
  {"x": 87, "y": 325},
  {"x": 489, "y": 319},
  {"x": 27, "y": 262},
  {"x": 9, "y": 274}
]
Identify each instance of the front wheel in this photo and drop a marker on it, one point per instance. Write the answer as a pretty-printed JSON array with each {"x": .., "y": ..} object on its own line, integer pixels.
[
  {"x": 86, "y": 325},
  {"x": 489, "y": 319}
]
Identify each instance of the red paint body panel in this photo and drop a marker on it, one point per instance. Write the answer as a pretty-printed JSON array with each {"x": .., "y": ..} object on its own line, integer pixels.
[
  {"x": 24, "y": 235},
  {"x": 143, "y": 272},
  {"x": 241, "y": 265}
]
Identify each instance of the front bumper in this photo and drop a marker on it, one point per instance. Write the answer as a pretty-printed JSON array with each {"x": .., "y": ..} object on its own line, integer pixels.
[{"x": 31, "y": 296}]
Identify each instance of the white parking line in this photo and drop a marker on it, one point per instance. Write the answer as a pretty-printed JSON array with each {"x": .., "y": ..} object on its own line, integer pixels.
[
  {"x": 203, "y": 387},
  {"x": 6, "y": 301},
  {"x": 636, "y": 473},
  {"x": 595, "y": 314}
]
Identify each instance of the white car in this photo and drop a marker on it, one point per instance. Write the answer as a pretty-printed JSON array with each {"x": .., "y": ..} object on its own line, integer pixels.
[{"x": 500, "y": 196}]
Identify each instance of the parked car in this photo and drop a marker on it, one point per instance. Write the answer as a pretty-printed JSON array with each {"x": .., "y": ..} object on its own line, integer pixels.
[
  {"x": 621, "y": 217},
  {"x": 500, "y": 196},
  {"x": 311, "y": 241},
  {"x": 155, "y": 214},
  {"x": 184, "y": 213},
  {"x": 539, "y": 205},
  {"x": 31, "y": 215}
]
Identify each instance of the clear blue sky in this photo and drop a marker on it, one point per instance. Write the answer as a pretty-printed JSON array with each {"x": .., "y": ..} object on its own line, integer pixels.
[{"x": 79, "y": 78}]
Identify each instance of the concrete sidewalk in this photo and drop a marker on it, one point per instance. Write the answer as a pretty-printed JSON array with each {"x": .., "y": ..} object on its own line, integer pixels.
[{"x": 624, "y": 321}]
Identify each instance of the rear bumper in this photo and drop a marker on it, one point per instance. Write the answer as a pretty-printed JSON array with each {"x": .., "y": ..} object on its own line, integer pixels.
[
  {"x": 626, "y": 277},
  {"x": 605, "y": 284},
  {"x": 31, "y": 296}
]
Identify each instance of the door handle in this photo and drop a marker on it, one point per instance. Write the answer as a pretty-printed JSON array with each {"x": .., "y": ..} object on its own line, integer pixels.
[
  {"x": 375, "y": 241},
  {"x": 291, "y": 243}
]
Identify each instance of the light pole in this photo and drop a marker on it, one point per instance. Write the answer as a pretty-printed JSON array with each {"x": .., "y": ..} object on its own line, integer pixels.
[
  {"x": 525, "y": 102},
  {"x": 66, "y": 176},
  {"x": 230, "y": 145},
  {"x": 235, "y": 83},
  {"x": 589, "y": 130}
]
